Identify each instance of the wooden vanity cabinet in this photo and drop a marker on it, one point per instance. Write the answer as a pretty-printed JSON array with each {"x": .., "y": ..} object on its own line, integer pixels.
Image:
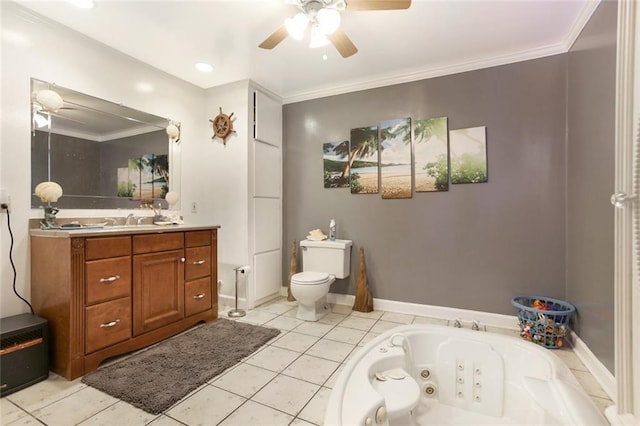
[{"x": 108, "y": 295}]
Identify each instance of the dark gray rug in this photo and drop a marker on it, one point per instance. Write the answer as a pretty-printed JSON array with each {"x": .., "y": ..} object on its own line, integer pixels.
[{"x": 156, "y": 378}]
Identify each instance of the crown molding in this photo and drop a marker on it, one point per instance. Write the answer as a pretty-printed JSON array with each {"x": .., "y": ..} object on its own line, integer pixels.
[{"x": 469, "y": 64}]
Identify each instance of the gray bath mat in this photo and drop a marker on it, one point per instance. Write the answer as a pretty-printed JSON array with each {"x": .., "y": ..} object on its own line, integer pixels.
[{"x": 156, "y": 378}]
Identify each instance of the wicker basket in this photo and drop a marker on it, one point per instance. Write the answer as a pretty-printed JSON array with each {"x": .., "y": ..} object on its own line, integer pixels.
[{"x": 543, "y": 320}]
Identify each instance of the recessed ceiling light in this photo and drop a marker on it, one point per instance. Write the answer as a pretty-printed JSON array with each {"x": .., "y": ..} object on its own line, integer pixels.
[
  {"x": 204, "y": 67},
  {"x": 82, "y": 4}
]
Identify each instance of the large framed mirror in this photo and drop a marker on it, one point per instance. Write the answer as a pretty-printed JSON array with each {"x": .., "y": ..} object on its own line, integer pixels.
[{"x": 104, "y": 155}]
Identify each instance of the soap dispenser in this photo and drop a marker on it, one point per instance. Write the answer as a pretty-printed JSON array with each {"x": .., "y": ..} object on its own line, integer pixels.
[{"x": 332, "y": 230}]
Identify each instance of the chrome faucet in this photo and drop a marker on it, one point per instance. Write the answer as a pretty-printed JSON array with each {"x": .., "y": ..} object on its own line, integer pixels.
[
  {"x": 129, "y": 217},
  {"x": 140, "y": 220},
  {"x": 113, "y": 221}
]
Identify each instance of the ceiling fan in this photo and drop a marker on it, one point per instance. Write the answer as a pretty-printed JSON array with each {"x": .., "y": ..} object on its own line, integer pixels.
[{"x": 321, "y": 18}]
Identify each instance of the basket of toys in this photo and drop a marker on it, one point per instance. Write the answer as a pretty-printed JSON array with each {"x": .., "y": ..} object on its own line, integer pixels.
[{"x": 543, "y": 320}]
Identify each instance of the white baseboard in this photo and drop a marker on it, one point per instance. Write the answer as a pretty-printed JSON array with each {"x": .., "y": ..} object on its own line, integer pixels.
[
  {"x": 441, "y": 312},
  {"x": 599, "y": 372},
  {"x": 611, "y": 413}
]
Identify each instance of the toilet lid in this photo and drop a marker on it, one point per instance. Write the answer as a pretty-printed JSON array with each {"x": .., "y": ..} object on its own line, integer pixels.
[{"x": 310, "y": 278}]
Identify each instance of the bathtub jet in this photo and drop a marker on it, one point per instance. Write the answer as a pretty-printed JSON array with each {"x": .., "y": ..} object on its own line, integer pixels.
[{"x": 430, "y": 374}]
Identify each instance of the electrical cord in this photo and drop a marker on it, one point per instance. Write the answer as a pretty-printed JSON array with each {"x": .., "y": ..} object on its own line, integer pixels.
[{"x": 13, "y": 266}]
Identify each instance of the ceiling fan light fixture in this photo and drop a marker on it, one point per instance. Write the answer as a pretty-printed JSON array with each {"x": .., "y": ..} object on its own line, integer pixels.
[
  {"x": 328, "y": 20},
  {"x": 318, "y": 39},
  {"x": 50, "y": 100},
  {"x": 296, "y": 26}
]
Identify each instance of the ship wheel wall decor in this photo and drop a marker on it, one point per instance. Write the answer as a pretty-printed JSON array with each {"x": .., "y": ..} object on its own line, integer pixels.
[{"x": 222, "y": 126}]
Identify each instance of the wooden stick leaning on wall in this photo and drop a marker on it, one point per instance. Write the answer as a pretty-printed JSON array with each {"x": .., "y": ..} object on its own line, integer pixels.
[
  {"x": 364, "y": 298},
  {"x": 293, "y": 268}
]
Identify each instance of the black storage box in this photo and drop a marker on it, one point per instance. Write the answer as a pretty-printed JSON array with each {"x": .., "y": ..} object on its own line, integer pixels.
[{"x": 24, "y": 352}]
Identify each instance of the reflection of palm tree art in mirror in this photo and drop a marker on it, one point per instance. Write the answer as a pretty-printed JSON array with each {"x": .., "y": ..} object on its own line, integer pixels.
[
  {"x": 335, "y": 156},
  {"x": 144, "y": 178},
  {"x": 468, "y": 155},
  {"x": 395, "y": 158},
  {"x": 431, "y": 155},
  {"x": 363, "y": 160}
]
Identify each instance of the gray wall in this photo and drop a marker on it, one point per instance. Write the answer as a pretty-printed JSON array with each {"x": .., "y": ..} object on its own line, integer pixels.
[
  {"x": 475, "y": 246},
  {"x": 590, "y": 181}
]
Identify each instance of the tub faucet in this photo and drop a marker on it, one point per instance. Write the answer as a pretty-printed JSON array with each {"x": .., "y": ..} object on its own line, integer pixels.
[
  {"x": 140, "y": 220},
  {"x": 113, "y": 221},
  {"x": 457, "y": 323},
  {"x": 475, "y": 325}
]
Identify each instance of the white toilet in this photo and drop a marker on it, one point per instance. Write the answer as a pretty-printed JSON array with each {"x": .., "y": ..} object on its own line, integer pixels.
[{"x": 322, "y": 262}]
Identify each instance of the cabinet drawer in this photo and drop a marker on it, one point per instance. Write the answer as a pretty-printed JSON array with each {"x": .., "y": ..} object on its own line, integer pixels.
[
  {"x": 197, "y": 238},
  {"x": 198, "y": 263},
  {"x": 107, "y": 279},
  {"x": 157, "y": 242},
  {"x": 197, "y": 296},
  {"x": 101, "y": 248},
  {"x": 107, "y": 323}
]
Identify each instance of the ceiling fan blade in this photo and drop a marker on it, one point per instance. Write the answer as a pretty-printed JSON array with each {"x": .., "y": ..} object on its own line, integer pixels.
[
  {"x": 275, "y": 38},
  {"x": 343, "y": 44},
  {"x": 377, "y": 4}
]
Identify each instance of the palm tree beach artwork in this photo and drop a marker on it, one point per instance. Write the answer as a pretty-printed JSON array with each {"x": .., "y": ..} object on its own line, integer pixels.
[
  {"x": 431, "y": 154},
  {"x": 395, "y": 158},
  {"x": 145, "y": 177},
  {"x": 335, "y": 159},
  {"x": 469, "y": 155},
  {"x": 363, "y": 160}
]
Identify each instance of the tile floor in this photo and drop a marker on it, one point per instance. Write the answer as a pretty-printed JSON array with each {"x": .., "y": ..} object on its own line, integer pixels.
[{"x": 286, "y": 382}]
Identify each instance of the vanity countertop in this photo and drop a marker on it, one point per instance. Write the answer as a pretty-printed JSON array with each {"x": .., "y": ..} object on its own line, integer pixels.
[{"x": 115, "y": 230}]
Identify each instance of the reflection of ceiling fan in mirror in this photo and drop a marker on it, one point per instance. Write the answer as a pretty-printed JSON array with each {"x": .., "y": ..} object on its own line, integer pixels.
[{"x": 321, "y": 19}]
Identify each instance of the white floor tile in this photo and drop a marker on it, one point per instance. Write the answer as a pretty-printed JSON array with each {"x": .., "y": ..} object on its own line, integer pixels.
[
  {"x": 345, "y": 335},
  {"x": 332, "y": 318},
  {"x": 589, "y": 383},
  {"x": 342, "y": 309},
  {"x": 296, "y": 342},
  {"x": 284, "y": 323},
  {"x": 371, "y": 315},
  {"x": 300, "y": 422},
  {"x": 273, "y": 358},
  {"x": 10, "y": 412},
  {"x": 312, "y": 369},
  {"x": 570, "y": 359},
  {"x": 332, "y": 380},
  {"x": 244, "y": 380},
  {"x": 367, "y": 338},
  {"x": 75, "y": 408},
  {"x": 207, "y": 407},
  {"x": 252, "y": 413},
  {"x": 329, "y": 349},
  {"x": 315, "y": 410},
  {"x": 121, "y": 413},
  {"x": 44, "y": 393},
  {"x": 396, "y": 317},
  {"x": 358, "y": 323},
  {"x": 601, "y": 403},
  {"x": 257, "y": 317},
  {"x": 163, "y": 420},
  {"x": 275, "y": 308},
  {"x": 24, "y": 421},
  {"x": 286, "y": 394},
  {"x": 314, "y": 328},
  {"x": 292, "y": 313},
  {"x": 382, "y": 326}
]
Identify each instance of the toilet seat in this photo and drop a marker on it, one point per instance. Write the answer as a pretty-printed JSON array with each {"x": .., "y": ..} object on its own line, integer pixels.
[{"x": 310, "y": 278}]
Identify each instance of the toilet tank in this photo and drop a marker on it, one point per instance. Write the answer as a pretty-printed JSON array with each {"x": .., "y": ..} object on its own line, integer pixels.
[{"x": 332, "y": 257}]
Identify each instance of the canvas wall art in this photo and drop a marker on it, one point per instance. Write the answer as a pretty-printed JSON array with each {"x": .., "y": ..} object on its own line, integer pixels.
[
  {"x": 145, "y": 177},
  {"x": 431, "y": 154},
  {"x": 468, "y": 155},
  {"x": 395, "y": 158},
  {"x": 363, "y": 160},
  {"x": 335, "y": 159}
]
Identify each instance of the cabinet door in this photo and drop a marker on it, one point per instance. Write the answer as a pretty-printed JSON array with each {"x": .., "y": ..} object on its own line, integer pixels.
[{"x": 158, "y": 290}]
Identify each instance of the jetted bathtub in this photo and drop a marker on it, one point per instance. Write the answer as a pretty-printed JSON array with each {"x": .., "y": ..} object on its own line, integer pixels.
[{"x": 437, "y": 375}]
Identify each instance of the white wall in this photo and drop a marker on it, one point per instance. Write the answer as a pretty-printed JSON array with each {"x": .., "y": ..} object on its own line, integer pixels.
[{"x": 33, "y": 47}]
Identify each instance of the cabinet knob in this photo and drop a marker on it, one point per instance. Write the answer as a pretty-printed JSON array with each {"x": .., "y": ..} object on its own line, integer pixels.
[
  {"x": 110, "y": 279},
  {"x": 198, "y": 262},
  {"x": 110, "y": 324},
  {"x": 182, "y": 259},
  {"x": 199, "y": 296}
]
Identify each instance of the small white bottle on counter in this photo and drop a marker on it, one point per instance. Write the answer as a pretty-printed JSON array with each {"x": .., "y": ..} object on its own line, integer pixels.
[{"x": 332, "y": 230}]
